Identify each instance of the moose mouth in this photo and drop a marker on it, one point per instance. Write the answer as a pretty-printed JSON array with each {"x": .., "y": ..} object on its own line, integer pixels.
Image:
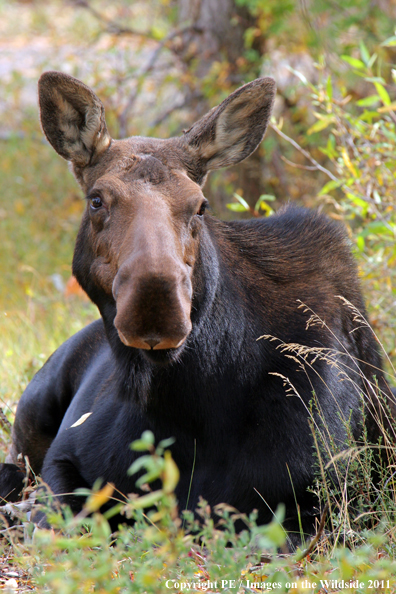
[{"x": 162, "y": 356}]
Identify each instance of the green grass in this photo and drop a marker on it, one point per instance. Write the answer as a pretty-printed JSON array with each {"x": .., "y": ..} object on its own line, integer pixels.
[{"x": 39, "y": 216}]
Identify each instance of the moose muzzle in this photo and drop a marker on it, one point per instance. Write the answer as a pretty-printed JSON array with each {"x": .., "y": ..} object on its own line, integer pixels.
[{"x": 153, "y": 306}]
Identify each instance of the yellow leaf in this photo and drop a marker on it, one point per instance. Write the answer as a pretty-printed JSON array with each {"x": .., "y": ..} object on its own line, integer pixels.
[
  {"x": 171, "y": 473},
  {"x": 81, "y": 420},
  {"x": 348, "y": 162},
  {"x": 386, "y": 108},
  {"x": 320, "y": 125},
  {"x": 96, "y": 500},
  {"x": 149, "y": 578},
  {"x": 19, "y": 207}
]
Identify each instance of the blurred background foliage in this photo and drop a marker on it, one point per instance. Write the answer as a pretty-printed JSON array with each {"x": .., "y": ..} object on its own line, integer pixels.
[{"x": 158, "y": 66}]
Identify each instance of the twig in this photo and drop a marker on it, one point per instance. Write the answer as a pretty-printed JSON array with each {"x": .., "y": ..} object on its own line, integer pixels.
[
  {"x": 175, "y": 107},
  {"x": 303, "y": 152},
  {"x": 18, "y": 510},
  {"x": 111, "y": 26},
  {"x": 164, "y": 42},
  {"x": 117, "y": 29},
  {"x": 148, "y": 68},
  {"x": 297, "y": 166},
  {"x": 319, "y": 167},
  {"x": 315, "y": 540}
]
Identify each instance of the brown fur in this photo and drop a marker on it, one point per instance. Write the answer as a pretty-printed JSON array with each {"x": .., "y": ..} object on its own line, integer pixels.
[{"x": 145, "y": 236}]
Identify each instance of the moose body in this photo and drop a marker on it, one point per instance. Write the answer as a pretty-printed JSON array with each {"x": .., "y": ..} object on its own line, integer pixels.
[{"x": 184, "y": 299}]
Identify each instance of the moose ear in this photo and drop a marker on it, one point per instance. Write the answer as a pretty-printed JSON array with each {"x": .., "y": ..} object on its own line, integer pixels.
[
  {"x": 72, "y": 118},
  {"x": 232, "y": 131}
]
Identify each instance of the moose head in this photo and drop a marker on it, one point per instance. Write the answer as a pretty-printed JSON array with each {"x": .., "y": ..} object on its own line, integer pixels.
[{"x": 138, "y": 246}]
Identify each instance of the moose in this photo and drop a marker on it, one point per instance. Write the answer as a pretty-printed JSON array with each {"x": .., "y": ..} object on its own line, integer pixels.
[{"x": 200, "y": 322}]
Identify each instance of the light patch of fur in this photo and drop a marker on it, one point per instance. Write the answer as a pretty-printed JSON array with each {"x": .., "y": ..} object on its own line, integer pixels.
[
  {"x": 68, "y": 122},
  {"x": 229, "y": 141},
  {"x": 80, "y": 143},
  {"x": 237, "y": 125},
  {"x": 126, "y": 163},
  {"x": 232, "y": 130},
  {"x": 91, "y": 134}
]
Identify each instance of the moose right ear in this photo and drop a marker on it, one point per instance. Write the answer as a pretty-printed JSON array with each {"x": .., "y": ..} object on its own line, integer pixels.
[{"x": 72, "y": 118}]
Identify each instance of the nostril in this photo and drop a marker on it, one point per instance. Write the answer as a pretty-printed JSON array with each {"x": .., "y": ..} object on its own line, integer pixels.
[{"x": 152, "y": 342}]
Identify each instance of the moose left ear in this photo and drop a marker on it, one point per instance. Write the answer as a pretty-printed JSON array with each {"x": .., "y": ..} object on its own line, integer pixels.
[{"x": 232, "y": 131}]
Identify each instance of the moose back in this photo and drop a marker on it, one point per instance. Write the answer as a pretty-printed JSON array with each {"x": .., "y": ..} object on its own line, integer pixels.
[{"x": 183, "y": 299}]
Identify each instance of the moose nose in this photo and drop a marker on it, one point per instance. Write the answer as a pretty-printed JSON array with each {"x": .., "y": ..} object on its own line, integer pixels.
[{"x": 153, "y": 308}]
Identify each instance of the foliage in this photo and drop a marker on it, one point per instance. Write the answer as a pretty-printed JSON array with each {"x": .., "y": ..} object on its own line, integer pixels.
[
  {"x": 159, "y": 553},
  {"x": 361, "y": 136}
]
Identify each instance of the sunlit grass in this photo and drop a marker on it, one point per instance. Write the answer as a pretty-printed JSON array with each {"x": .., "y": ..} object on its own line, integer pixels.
[{"x": 40, "y": 210}]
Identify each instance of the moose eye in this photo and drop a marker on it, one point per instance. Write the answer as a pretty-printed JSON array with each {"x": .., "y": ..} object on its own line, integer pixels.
[
  {"x": 96, "y": 202},
  {"x": 202, "y": 208}
]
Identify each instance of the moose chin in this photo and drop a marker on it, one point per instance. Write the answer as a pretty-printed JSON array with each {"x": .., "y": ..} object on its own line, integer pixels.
[{"x": 183, "y": 299}]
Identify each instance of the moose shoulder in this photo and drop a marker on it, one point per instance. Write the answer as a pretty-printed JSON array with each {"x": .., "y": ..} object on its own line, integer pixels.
[{"x": 183, "y": 299}]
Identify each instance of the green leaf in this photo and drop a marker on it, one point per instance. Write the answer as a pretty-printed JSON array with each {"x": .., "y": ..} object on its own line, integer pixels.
[
  {"x": 276, "y": 534},
  {"x": 146, "y": 442},
  {"x": 280, "y": 578},
  {"x": 383, "y": 93},
  {"x": 360, "y": 243},
  {"x": 302, "y": 78},
  {"x": 330, "y": 149},
  {"x": 369, "y": 116},
  {"x": 372, "y": 60},
  {"x": 146, "y": 500},
  {"x": 375, "y": 79},
  {"x": 390, "y": 42},
  {"x": 138, "y": 465},
  {"x": 262, "y": 203},
  {"x": 321, "y": 124},
  {"x": 368, "y": 101},
  {"x": 241, "y": 201},
  {"x": 331, "y": 185},
  {"x": 236, "y": 207},
  {"x": 158, "y": 32},
  {"x": 354, "y": 62},
  {"x": 359, "y": 202},
  {"x": 378, "y": 228},
  {"x": 329, "y": 88},
  {"x": 165, "y": 443},
  {"x": 240, "y": 206},
  {"x": 364, "y": 53},
  {"x": 149, "y": 477}
]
